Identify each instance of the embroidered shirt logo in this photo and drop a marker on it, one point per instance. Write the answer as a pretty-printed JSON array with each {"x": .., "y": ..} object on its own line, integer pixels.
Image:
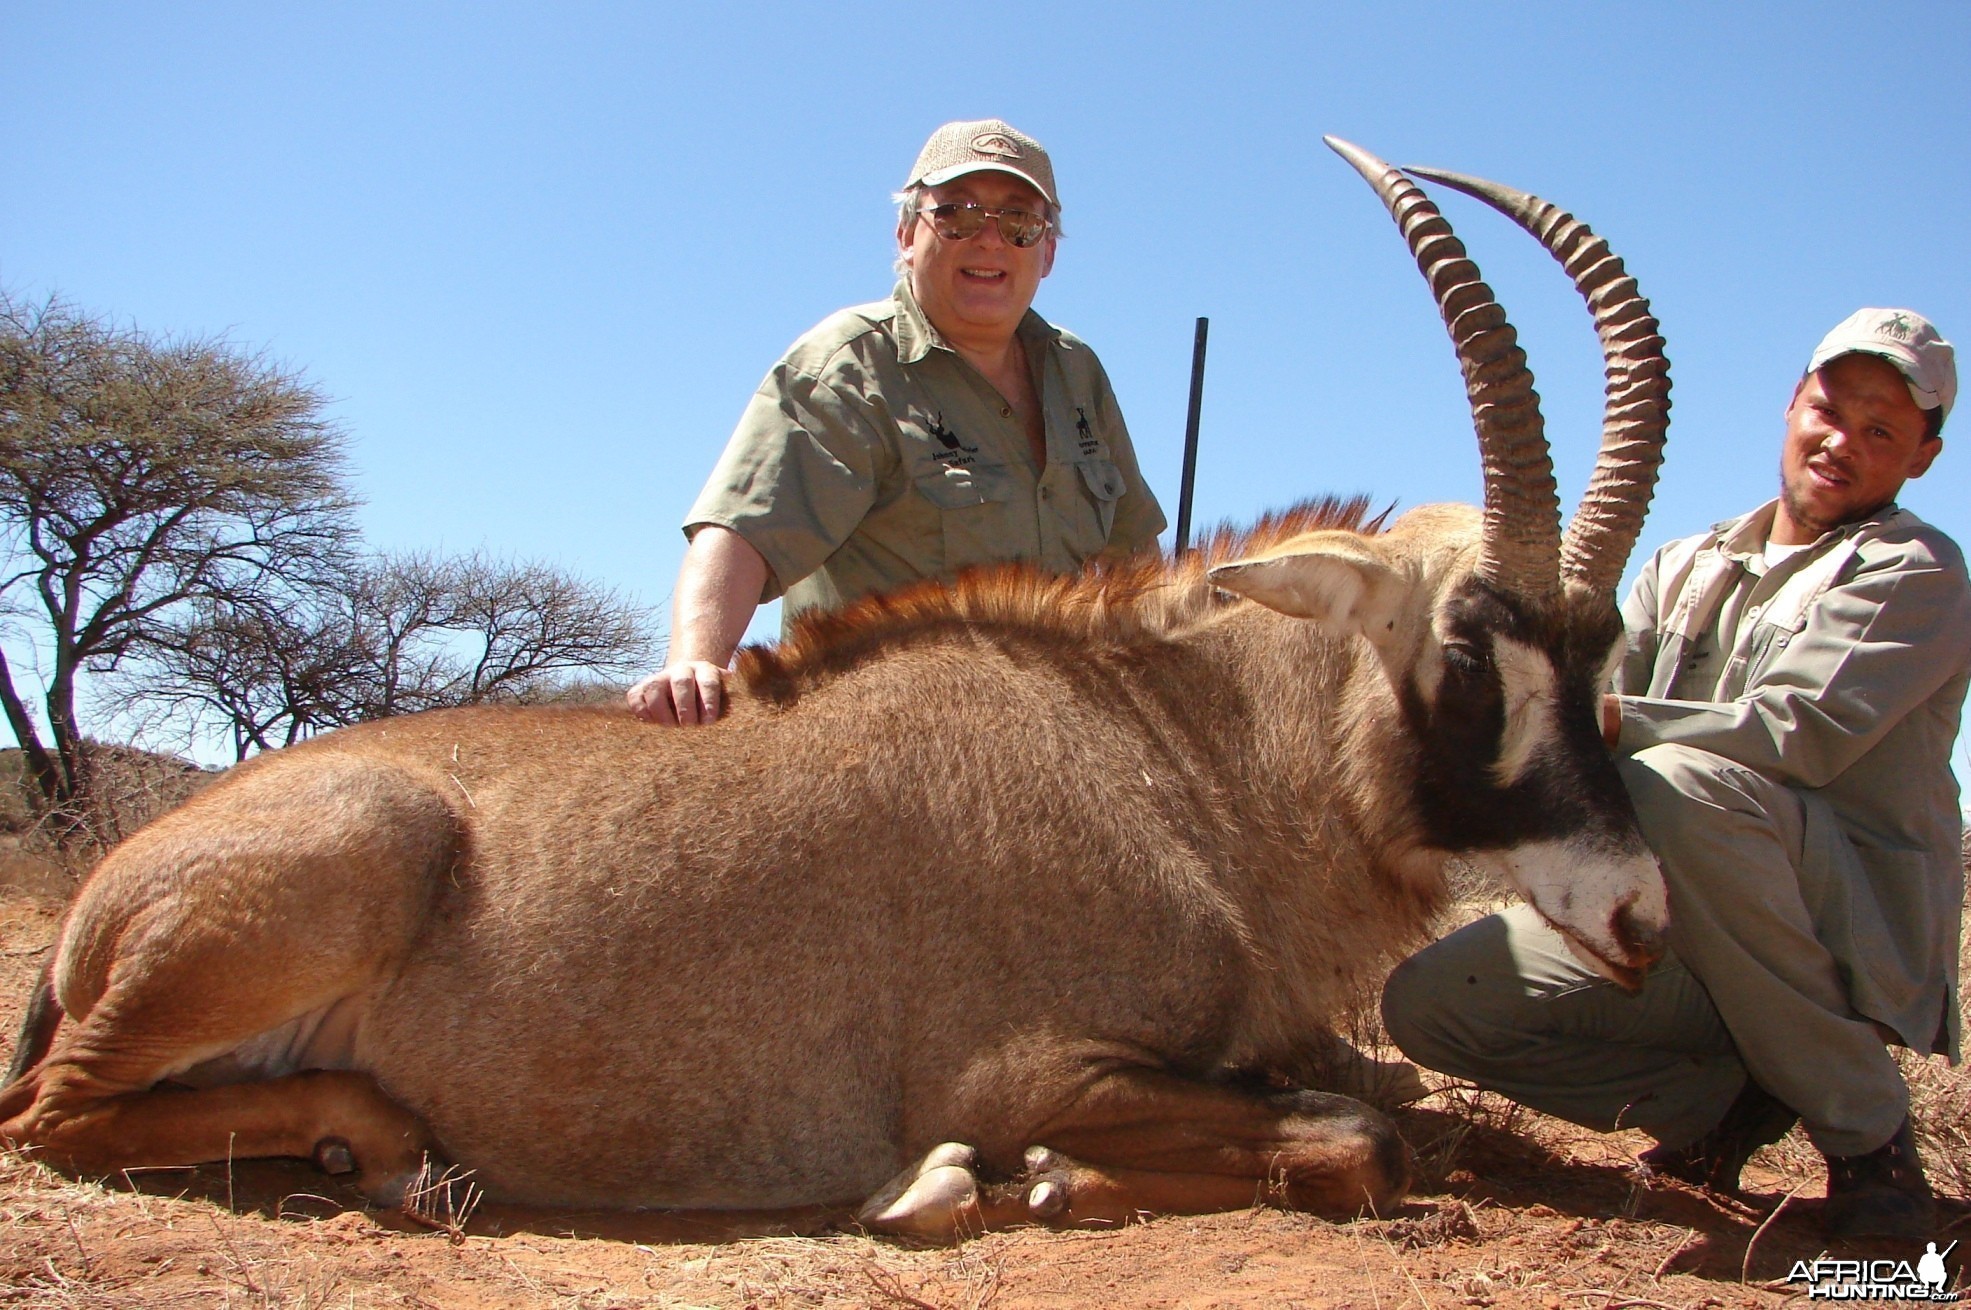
[
  {"x": 1084, "y": 435},
  {"x": 950, "y": 440}
]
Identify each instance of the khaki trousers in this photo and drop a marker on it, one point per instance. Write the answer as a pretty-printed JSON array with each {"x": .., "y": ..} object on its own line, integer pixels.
[{"x": 1747, "y": 988}]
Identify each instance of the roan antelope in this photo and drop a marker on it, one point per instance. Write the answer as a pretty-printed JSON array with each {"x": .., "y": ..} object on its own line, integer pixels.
[{"x": 984, "y": 905}]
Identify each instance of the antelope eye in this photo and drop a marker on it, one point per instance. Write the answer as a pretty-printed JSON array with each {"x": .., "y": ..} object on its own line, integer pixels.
[{"x": 1466, "y": 657}]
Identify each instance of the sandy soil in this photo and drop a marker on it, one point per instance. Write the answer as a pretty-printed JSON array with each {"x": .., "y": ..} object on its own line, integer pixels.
[{"x": 1514, "y": 1210}]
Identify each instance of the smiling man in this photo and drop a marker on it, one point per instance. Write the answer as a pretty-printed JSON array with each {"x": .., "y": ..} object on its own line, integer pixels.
[
  {"x": 946, "y": 427},
  {"x": 1785, "y": 711}
]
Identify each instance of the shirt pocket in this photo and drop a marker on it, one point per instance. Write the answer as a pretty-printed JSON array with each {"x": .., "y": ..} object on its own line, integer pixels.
[
  {"x": 1105, "y": 487},
  {"x": 1773, "y": 636},
  {"x": 1087, "y": 524},
  {"x": 972, "y": 506}
]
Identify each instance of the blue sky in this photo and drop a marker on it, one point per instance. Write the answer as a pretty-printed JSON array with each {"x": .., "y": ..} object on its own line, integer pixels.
[{"x": 541, "y": 254}]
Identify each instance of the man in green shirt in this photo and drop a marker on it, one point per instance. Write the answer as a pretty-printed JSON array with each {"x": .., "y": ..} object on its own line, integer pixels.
[{"x": 945, "y": 427}]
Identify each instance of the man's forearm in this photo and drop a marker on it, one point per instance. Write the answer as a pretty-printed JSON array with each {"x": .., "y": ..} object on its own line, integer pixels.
[{"x": 718, "y": 589}]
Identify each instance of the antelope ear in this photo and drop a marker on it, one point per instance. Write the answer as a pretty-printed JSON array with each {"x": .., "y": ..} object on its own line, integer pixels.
[{"x": 1333, "y": 579}]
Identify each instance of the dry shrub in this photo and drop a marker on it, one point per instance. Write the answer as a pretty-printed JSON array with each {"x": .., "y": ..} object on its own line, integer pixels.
[{"x": 128, "y": 787}]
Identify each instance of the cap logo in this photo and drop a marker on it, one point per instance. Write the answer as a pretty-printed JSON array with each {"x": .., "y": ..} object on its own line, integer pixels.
[
  {"x": 1897, "y": 326},
  {"x": 992, "y": 143}
]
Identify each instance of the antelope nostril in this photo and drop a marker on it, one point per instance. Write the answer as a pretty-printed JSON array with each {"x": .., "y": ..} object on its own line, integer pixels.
[{"x": 1641, "y": 937}]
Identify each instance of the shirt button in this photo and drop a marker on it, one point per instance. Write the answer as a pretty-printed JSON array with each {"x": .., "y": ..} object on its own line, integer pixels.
[
  {"x": 1006, "y": 411},
  {"x": 1047, "y": 493}
]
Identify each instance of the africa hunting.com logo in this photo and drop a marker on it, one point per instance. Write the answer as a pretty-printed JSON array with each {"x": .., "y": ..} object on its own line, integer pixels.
[{"x": 1876, "y": 1280}]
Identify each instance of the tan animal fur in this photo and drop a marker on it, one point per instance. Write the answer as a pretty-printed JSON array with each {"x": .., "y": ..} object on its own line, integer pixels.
[{"x": 930, "y": 897}]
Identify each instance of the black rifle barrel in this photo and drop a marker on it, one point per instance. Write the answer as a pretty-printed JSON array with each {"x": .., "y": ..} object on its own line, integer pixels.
[{"x": 1191, "y": 439}]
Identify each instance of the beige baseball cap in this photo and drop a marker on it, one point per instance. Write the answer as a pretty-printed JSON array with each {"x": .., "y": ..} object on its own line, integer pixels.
[
  {"x": 1906, "y": 339},
  {"x": 986, "y": 144}
]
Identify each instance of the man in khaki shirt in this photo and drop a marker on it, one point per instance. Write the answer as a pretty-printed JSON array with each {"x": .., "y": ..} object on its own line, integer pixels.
[{"x": 946, "y": 427}]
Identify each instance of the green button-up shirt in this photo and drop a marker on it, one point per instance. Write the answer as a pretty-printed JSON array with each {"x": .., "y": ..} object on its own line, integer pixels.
[{"x": 874, "y": 455}]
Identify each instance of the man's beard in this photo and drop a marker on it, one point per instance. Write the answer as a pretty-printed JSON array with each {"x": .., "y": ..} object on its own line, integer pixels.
[{"x": 1805, "y": 518}]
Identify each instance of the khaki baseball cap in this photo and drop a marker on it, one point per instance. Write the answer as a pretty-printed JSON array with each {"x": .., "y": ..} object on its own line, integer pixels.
[
  {"x": 1906, "y": 339},
  {"x": 986, "y": 144}
]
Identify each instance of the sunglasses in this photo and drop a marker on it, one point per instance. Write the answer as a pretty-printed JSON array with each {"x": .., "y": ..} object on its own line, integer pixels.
[{"x": 964, "y": 220}]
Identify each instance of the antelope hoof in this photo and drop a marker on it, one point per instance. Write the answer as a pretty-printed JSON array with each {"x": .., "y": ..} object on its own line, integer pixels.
[
  {"x": 334, "y": 1156},
  {"x": 931, "y": 1200},
  {"x": 1047, "y": 1186}
]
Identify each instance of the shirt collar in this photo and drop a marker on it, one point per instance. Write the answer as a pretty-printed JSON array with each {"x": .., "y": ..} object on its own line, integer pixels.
[
  {"x": 1744, "y": 539},
  {"x": 916, "y": 337}
]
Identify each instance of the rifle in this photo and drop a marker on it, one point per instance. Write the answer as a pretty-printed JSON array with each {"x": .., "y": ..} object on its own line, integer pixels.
[{"x": 1191, "y": 440}]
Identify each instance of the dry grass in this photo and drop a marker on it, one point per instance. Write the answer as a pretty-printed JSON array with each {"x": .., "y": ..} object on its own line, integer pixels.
[
  {"x": 65, "y": 1244},
  {"x": 75, "y": 1247}
]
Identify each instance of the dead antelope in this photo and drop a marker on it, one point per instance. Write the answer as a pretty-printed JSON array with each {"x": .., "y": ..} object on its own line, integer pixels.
[{"x": 981, "y": 907}]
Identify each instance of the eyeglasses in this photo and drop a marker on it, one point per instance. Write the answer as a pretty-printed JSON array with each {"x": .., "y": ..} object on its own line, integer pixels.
[{"x": 964, "y": 220}]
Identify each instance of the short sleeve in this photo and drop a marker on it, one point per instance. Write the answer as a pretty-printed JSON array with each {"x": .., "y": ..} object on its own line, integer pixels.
[{"x": 797, "y": 477}]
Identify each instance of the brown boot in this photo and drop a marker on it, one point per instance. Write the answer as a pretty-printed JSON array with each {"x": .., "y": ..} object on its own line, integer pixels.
[
  {"x": 1881, "y": 1194},
  {"x": 1714, "y": 1160}
]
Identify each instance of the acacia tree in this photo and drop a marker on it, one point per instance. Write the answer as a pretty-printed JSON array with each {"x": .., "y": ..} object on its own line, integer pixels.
[
  {"x": 389, "y": 635},
  {"x": 467, "y": 629},
  {"x": 141, "y": 476},
  {"x": 265, "y": 674}
]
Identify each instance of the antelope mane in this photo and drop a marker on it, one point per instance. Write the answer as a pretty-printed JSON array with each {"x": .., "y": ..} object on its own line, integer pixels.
[{"x": 1114, "y": 605}]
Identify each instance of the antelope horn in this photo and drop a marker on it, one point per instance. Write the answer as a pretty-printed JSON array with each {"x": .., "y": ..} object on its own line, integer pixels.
[
  {"x": 1521, "y": 550},
  {"x": 1636, "y": 414}
]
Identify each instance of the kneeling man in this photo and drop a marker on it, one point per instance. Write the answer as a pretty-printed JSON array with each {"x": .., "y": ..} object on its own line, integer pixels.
[{"x": 1785, "y": 714}]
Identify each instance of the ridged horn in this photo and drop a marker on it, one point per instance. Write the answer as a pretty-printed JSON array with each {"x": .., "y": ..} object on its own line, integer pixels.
[
  {"x": 1636, "y": 413},
  {"x": 1521, "y": 551}
]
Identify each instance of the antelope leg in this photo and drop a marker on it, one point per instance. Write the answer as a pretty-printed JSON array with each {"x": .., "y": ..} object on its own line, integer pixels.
[
  {"x": 341, "y": 1120},
  {"x": 1138, "y": 1141},
  {"x": 1157, "y": 1142}
]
